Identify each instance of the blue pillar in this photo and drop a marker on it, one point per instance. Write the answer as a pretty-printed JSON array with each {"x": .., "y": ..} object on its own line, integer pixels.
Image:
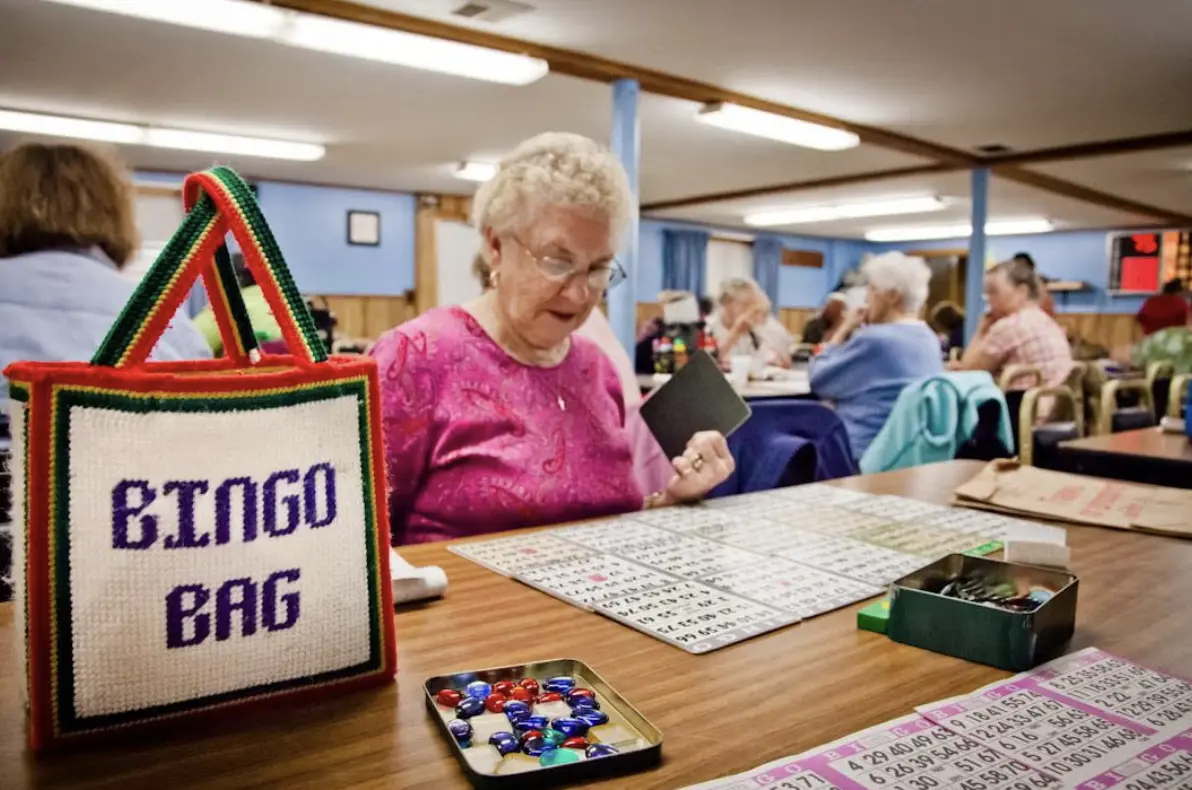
[
  {"x": 626, "y": 144},
  {"x": 974, "y": 291}
]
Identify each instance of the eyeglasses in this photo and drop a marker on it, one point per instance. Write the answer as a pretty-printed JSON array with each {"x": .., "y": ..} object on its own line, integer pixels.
[{"x": 561, "y": 270}]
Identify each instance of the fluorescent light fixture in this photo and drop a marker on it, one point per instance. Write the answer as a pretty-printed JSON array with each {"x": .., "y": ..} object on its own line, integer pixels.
[
  {"x": 132, "y": 134},
  {"x": 336, "y": 36},
  {"x": 58, "y": 126},
  {"x": 1006, "y": 227},
  {"x": 476, "y": 171},
  {"x": 234, "y": 17},
  {"x": 776, "y": 127},
  {"x": 233, "y": 144},
  {"x": 871, "y": 208},
  {"x": 412, "y": 51}
]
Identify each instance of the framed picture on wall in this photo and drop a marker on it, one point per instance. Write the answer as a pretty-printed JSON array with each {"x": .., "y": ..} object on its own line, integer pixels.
[{"x": 364, "y": 228}]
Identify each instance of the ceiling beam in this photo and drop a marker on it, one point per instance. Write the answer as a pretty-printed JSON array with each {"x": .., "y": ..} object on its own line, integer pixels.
[
  {"x": 592, "y": 67},
  {"x": 798, "y": 186},
  {"x": 1127, "y": 145},
  {"x": 1077, "y": 192}
]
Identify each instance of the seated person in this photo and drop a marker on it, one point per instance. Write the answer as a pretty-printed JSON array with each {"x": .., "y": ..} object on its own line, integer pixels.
[
  {"x": 67, "y": 228},
  {"x": 651, "y": 467},
  {"x": 826, "y": 321},
  {"x": 1046, "y": 300},
  {"x": 947, "y": 319},
  {"x": 745, "y": 326},
  {"x": 1016, "y": 331},
  {"x": 878, "y": 349},
  {"x": 497, "y": 413},
  {"x": 264, "y": 325},
  {"x": 1172, "y": 344},
  {"x": 1163, "y": 310}
]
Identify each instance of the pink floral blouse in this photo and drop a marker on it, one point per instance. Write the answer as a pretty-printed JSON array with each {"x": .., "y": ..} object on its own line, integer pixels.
[{"x": 477, "y": 442}]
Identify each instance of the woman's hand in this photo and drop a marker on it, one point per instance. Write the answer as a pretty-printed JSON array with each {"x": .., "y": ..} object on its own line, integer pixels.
[
  {"x": 850, "y": 324},
  {"x": 705, "y": 464}
]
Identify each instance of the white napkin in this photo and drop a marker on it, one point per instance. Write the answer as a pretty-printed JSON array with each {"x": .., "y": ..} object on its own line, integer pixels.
[{"x": 411, "y": 583}]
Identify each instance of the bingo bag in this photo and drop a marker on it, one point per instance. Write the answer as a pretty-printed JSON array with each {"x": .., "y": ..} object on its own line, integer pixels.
[{"x": 195, "y": 536}]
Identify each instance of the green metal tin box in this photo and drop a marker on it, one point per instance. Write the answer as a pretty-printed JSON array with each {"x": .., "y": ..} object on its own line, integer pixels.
[{"x": 987, "y": 634}]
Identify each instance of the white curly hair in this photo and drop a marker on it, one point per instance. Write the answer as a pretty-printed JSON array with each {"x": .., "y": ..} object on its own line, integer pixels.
[
  {"x": 553, "y": 169},
  {"x": 893, "y": 271}
]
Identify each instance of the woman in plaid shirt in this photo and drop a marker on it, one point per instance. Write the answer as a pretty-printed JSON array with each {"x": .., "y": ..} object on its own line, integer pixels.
[{"x": 1016, "y": 331}]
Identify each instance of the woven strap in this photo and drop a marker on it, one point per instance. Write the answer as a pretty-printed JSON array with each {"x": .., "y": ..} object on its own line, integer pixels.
[{"x": 217, "y": 201}]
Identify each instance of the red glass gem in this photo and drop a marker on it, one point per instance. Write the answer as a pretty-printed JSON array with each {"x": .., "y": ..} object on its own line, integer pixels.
[
  {"x": 503, "y": 687},
  {"x": 581, "y": 693},
  {"x": 495, "y": 703},
  {"x": 521, "y": 693},
  {"x": 448, "y": 698},
  {"x": 550, "y": 696},
  {"x": 531, "y": 684},
  {"x": 575, "y": 743}
]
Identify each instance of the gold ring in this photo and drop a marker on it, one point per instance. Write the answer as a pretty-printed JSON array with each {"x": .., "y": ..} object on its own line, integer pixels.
[{"x": 698, "y": 463}]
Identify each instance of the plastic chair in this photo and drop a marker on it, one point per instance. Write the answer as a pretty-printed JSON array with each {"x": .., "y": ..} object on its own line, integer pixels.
[
  {"x": 1012, "y": 372},
  {"x": 1178, "y": 394},
  {"x": 1033, "y": 437},
  {"x": 1115, "y": 419}
]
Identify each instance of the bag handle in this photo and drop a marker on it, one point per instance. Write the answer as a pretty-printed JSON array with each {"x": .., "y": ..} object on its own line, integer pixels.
[{"x": 216, "y": 200}]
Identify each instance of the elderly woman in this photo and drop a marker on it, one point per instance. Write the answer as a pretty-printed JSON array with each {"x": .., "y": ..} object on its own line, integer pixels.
[
  {"x": 496, "y": 413},
  {"x": 67, "y": 228},
  {"x": 879, "y": 349},
  {"x": 745, "y": 326},
  {"x": 1016, "y": 330}
]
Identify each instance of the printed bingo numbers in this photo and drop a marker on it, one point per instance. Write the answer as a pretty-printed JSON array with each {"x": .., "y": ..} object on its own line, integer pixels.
[
  {"x": 789, "y": 554},
  {"x": 1088, "y": 721},
  {"x": 694, "y": 616}
]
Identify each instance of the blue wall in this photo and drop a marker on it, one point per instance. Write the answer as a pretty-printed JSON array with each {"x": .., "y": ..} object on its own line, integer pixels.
[
  {"x": 311, "y": 225},
  {"x": 1072, "y": 255},
  {"x": 797, "y": 286}
]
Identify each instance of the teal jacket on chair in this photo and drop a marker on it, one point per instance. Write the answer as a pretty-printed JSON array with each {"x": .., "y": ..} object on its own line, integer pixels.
[{"x": 932, "y": 418}]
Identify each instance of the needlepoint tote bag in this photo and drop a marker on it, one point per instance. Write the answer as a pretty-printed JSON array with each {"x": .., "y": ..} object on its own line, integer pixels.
[{"x": 193, "y": 536}]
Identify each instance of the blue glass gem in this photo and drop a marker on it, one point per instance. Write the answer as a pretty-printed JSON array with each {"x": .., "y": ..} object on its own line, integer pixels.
[
  {"x": 554, "y": 737},
  {"x": 599, "y": 750},
  {"x": 516, "y": 709},
  {"x": 584, "y": 703},
  {"x": 469, "y": 707},
  {"x": 531, "y": 723},
  {"x": 593, "y": 717},
  {"x": 558, "y": 757},
  {"x": 478, "y": 689},
  {"x": 536, "y": 746},
  {"x": 460, "y": 729},
  {"x": 572, "y": 727},
  {"x": 505, "y": 742},
  {"x": 559, "y": 684}
]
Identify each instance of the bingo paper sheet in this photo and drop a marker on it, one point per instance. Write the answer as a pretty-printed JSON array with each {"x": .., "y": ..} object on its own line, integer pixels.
[
  {"x": 694, "y": 616},
  {"x": 911, "y": 753},
  {"x": 1090, "y": 719}
]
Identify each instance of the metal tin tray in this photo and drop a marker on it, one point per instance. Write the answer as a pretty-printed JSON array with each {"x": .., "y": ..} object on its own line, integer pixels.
[
  {"x": 641, "y": 749},
  {"x": 1013, "y": 641}
]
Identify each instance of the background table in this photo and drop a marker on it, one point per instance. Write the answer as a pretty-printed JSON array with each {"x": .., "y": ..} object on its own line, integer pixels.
[
  {"x": 796, "y": 387},
  {"x": 720, "y": 713},
  {"x": 1143, "y": 456}
]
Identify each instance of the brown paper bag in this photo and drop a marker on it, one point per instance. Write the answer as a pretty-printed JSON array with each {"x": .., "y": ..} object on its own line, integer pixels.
[{"x": 1007, "y": 487}]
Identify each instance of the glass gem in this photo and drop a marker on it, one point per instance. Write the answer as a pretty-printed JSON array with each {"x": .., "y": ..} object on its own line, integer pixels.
[
  {"x": 448, "y": 698},
  {"x": 505, "y": 742},
  {"x": 469, "y": 707},
  {"x": 460, "y": 729},
  {"x": 599, "y": 750},
  {"x": 531, "y": 723},
  {"x": 516, "y": 709},
  {"x": 593, "y": 717},
  {"x": 536, "y": 747},
  {"x": 495, "y": 703},
  {"x": 571, "y": 727},
  {"x": 530, "y": 685},
  {"x": 478, "y": 689},
  {"x": 558, "y": 757},
  {"x": 561, "y": 684},
  {"x": 503, "y": 687}
]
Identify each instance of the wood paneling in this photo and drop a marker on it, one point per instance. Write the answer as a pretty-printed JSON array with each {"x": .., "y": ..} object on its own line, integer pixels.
[
  {"x": 812, "y": 259},
  {"x": 431, "y": 209},
  {"x": 795, "y": 318},
  {"x": 1110, "y": 331},
  {"x": 833, "y": 679},
  {"x": 367, "y": 317},
  {"x": 647, "y": 312}
]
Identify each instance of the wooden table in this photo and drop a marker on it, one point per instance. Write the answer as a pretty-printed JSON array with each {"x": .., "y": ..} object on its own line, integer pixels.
[
  {"x": 1143, "y": 456},
  {"x": 720, "y": 713},
  {"x": 797, "y": 387}
]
